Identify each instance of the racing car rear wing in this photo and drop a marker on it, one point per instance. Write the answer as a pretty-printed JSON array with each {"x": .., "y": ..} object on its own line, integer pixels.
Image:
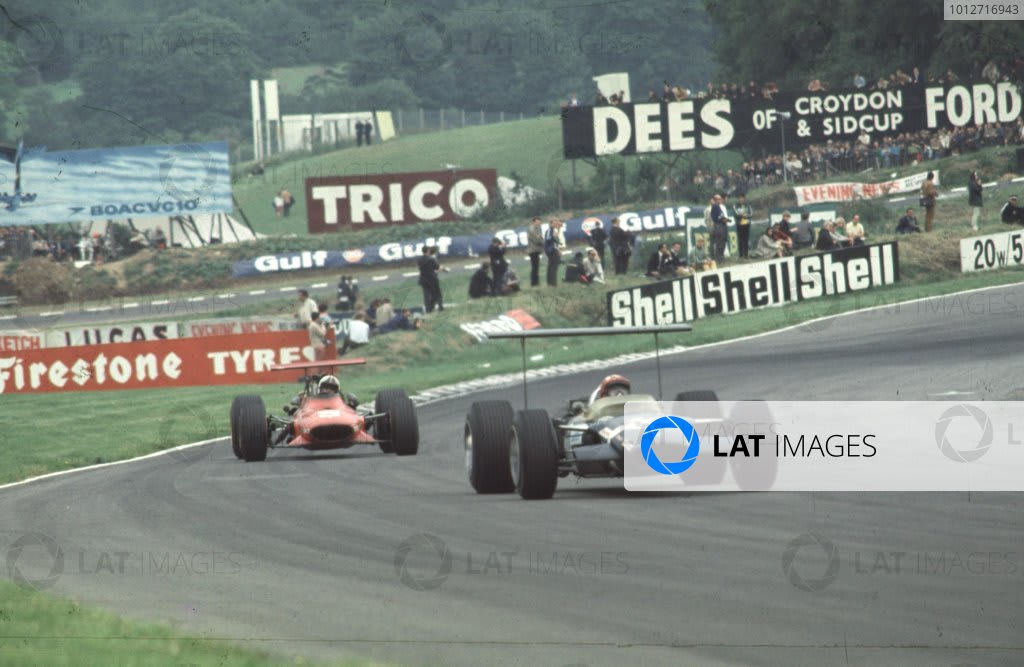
[
  {"x": 592, "y": 331},
  {"x": 327, "y": 363}
]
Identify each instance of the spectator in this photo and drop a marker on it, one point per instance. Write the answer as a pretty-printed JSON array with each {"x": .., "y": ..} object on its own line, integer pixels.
[
  {"x": 348, "y": 293},
  {"x": 278, "y": 204},
  {"x": 592, "y": 268},
  {"x": 325, "y": 318},
  {"x": 480, "y": 284},
  {"x": 428, "y": 281},
  {"x": 929, "y": 194},
  {"x": 510, "y": 284},
  {"x": 830, "y": 239},
  {"x": 678, "y": 260},
  {"x": 573, "y": 100},
  {"x": 621, "y": 242},
  {"x": 554, "y": 244},
  {"x": 1010, "y": 213},
  {"x": 858, "y": 81},
  {"x": 720, "y": 227},
  {"x": 660, "y": 265},
  {"x": 404, "y": 321},
  {"x": 85, "y": 249},
  {"x": 742, "y": 214},
  {"x": 287, "y": 202},
  {"x": 784, "y": 225},
  {"x": 359, "y": 133},
  {"x": 159, "y": 240},
  {"x": 908, "y": 223},
  {"x": 138, "y": 241},
  {"x": 780, "y": 233},
  {"x": 802, "y": 232},
  {"x": 385, "y": 310},
  {"x": 699, "y": 258},
  {"x": 974, "y": 189},
  {"x": 499, "y": 265},
  {"x": 306, "y": 308},
  {"x": 368, "y": 132},
  {"x": 356, "y": 332},
  {"x": 534, "y": 247},
  {"x": 597, "y": 239},
  {"x": 317, "y": 336},
  {"x": 768, "y": 246},
  {"x": 855, "y": 231}
]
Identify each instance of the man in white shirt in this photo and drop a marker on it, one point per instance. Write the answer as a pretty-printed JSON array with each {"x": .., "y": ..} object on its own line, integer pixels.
[
  {"x": 307, "y": 307},
  {"x": 356, "y": 332},
  {"x": 855, "y": 231}
]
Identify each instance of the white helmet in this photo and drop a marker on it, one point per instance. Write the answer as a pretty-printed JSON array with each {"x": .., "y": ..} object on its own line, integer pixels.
[{"x": 328, "y": 383}]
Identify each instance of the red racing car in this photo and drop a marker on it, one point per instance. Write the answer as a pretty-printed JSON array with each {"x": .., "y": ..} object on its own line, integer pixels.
[{"x": 324, "y": 417}]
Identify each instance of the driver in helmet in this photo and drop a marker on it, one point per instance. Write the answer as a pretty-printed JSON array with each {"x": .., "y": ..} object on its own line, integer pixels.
[
  {"x": 612, "y": 385},
  {"x": 328, "y": 384}
]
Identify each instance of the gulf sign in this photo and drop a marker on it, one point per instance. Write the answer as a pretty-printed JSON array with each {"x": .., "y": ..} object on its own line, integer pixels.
[{"x": 335, "y": 203}]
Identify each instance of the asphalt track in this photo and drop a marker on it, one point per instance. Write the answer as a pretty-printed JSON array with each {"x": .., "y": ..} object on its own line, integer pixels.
[{"x": 304, "y": 554}]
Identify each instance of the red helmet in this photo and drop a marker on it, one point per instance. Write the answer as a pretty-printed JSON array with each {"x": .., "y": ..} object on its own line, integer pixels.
[{"x": 613, "y": 385}]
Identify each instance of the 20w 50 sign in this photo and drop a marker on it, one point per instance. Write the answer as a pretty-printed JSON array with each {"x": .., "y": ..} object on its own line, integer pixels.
[{"x": 995, "y": 251}]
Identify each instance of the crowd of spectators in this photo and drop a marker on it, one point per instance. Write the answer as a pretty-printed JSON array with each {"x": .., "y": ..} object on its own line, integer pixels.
[{"x": 24, "y": 242}]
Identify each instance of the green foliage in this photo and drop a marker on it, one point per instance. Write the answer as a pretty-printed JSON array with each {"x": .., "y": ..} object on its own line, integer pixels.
[{"x": 802, "y": 40}]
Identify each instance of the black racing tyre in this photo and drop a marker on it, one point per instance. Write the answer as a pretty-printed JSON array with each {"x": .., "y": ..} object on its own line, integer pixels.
[
  {"x": 253, "y": 435},
  {"x": 486, "y": 446},
  {"x": 533, "y": 454},
  {"x": 707, "y": 470},
  {"x": 234, "y": 427},
  {"x": 399, "y": 422}
]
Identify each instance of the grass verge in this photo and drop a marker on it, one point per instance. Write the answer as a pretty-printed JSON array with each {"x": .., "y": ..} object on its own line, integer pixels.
[{"x": 38, "y": 629}]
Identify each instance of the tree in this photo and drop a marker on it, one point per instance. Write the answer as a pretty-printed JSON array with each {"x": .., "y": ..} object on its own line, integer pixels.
[{"x": 196, "y": 72}]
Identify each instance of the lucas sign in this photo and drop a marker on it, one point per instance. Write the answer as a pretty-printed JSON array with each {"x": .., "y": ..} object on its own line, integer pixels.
[{"x": 335, "y": 203}]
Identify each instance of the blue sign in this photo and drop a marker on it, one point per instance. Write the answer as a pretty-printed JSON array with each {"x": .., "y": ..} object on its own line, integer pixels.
[
  {"x": 475, "y": 245},
  {"x": 38, "y": 187}
]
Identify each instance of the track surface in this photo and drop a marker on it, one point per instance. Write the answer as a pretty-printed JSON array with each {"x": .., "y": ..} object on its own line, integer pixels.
[{"x": 304, "y": 546}]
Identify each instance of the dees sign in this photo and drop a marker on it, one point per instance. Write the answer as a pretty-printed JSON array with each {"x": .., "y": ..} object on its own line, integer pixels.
[
  {"x": 337, "y": 202},
  {"x": 814, "y": 117}
]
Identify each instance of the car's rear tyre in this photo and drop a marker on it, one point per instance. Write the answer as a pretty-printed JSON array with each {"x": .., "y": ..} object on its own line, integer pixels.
[
  {"x": 251, "y": 420},
  {"x": 234, "y": 427},
  {"x": 399, "y": 424},
  {"x": 707, "y": 470},
  {"x": 533, "y": 454},
  {"x": 486, "y": 446}
]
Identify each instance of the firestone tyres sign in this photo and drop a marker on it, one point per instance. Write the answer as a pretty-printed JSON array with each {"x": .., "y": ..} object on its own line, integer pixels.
[
  {"x": 841, "y": 115},
  {"x": 771, "y": 283},
  {"x": 335, "y": 203}
]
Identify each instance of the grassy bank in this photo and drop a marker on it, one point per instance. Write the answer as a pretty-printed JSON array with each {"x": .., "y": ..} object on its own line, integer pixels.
[{"x": 37, "y": 629}]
